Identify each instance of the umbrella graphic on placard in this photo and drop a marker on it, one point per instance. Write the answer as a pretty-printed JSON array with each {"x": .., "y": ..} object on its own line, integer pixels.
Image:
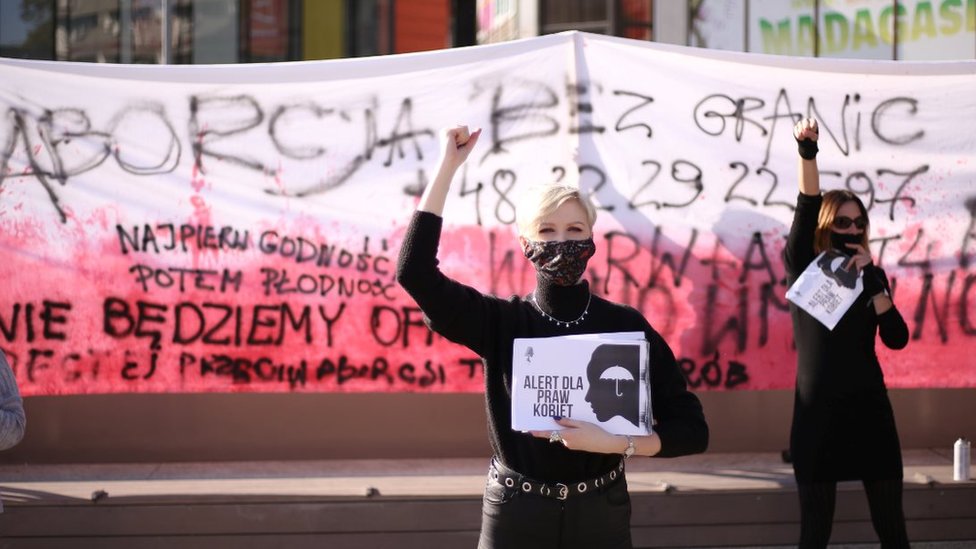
[
  {"x": 611, "y": 363},
  {"x": 617, "y": 374}
]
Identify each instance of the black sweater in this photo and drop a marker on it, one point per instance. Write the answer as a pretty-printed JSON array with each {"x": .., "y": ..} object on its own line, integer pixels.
[
  {"x": 842, "y": 360},
  {"x": 843, "y": 427},
  {"x": 488, "y": 326}
]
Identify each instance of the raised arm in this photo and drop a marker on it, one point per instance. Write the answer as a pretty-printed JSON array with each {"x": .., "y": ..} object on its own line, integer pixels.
[
  {"x": 458, "y": 312},
  {"x": 799, "y": 243},
  {"x": 806, "y": 133},
  {"x": 456, "y": 145}
]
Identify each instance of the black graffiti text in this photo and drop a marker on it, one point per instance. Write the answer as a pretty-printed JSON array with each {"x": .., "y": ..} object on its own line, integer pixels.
[
  {"x": 28, "y": 321},
  {"x": 208, "y": 280},
  {"x": 188, "y": 323},
  {"x": 281, "y": 282}
]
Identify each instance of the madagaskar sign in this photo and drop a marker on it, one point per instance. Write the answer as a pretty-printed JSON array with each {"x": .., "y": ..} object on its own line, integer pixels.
[{"x": 235, "y": 228}]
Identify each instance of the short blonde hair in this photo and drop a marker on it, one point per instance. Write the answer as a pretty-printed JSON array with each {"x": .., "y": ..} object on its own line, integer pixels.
[{"x": 541, "y": 200}]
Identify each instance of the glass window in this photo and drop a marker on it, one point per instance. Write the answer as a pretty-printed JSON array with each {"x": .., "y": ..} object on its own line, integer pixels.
[
  {"x": 634, "y": 19},
  {"x": 370, "y": 27},
  {"x": 88, "y": 30},
  {"x": 628, "y": 18},
  {"x": 27, "y": 29},
  {"x": 862, "y": 30},
  {"x": 583, "y": 15},
  {"x": 123, "y": 31},
  {"x": 268, "y": 31},
  {"x": 233, "y": 31},
  {"x": 718, "y": 24},
  {"x": 206, "y": 31},
  {"x": 935, "y": 30},
  {"x": 784, "y": 28},
  {"x": 497, "y": 21},
  {"x": 142, "y": 31}
]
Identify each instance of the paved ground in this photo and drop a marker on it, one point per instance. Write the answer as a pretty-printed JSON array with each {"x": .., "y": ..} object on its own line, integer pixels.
[
  {"x": 744, "y": 471},
  {"x": 915, "y": 545},
  {"x": 79, "y": 483}
]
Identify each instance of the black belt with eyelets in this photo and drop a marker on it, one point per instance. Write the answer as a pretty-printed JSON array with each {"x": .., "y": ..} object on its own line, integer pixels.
[{"x": 513, "y": 479}]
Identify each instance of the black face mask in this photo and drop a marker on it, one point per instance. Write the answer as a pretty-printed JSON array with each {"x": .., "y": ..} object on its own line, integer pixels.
[
  {"x": 561, "y": 261},
  {"x": 839, "y": 242}
]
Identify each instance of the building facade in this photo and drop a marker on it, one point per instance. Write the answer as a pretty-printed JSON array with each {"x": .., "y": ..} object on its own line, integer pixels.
[
  {"x": 864, "y": 29},
  {"x": 219, "y": 31},
  {"x": 243, "y": 31}
]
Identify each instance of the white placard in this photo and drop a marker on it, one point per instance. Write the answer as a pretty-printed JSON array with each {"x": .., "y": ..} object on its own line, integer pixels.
[
  {"x": 600, "y": 378},
  {"x": 826, "y": 289}
]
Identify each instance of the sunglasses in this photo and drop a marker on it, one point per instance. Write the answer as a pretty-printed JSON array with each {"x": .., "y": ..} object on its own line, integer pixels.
[{"x": 844, "y": 222}]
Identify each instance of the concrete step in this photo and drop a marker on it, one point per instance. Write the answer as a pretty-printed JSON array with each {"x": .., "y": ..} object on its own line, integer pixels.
[{"x": 709, "y": 500}]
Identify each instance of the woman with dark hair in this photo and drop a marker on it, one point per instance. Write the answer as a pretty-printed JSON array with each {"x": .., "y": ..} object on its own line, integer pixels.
[
  {"x": 843, "y": 425},
  {"x": 564, "y": 488}
]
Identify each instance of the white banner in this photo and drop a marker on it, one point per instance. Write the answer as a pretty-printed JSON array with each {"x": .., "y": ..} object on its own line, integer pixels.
[{"x": 235, "y": 228}]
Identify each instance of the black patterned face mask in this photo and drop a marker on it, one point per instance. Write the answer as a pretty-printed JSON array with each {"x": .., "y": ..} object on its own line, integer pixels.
[{"x": 561, "y": 261}]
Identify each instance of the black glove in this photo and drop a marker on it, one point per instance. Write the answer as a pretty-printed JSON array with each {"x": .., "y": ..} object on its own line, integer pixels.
[
  {"x": 873, "y": 280},
  {"x": 808, "y": 148}
]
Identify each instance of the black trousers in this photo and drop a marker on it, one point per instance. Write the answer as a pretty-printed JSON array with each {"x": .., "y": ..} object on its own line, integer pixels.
[
  {"x": 817, "y": 500},
  {"x": 513, "y": 519}
]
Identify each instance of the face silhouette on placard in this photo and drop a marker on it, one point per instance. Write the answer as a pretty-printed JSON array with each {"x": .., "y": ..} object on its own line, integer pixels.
[
  {"x": 833, "y": 265},
  {"x": 613, "y": 374}
]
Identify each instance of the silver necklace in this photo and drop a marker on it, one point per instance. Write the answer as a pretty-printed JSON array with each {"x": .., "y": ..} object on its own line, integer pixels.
[{"x": 558, "y": 322}]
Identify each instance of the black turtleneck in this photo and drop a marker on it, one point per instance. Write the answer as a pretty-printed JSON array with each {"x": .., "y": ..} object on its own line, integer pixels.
[
  {"x": 565, "y": 303},
  {"x": 488, "y": 326}
]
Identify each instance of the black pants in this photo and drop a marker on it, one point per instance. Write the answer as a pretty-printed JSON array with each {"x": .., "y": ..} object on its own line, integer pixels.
[
  {"x": 817, "y": 500},
  {"x": 513, "y": 519}
]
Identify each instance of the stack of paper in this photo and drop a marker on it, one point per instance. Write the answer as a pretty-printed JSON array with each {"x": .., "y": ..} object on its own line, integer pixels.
[{"x": 600, "y": 378}]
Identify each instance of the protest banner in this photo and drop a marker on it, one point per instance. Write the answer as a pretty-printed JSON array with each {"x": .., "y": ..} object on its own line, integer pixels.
[{"x": 236, "y": 228}]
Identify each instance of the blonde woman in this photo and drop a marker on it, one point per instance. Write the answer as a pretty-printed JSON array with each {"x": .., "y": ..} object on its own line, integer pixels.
[{"x": 560, "y": 489}]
